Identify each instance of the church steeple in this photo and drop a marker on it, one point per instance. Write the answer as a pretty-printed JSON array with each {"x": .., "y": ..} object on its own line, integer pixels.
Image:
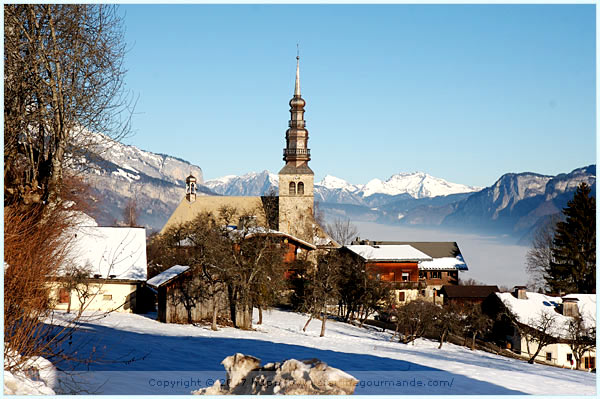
[
  {"x": 296, "y": 152},
  {"x": 296, "y": 179}
]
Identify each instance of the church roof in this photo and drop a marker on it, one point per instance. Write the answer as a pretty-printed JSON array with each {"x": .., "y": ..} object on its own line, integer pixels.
[{"x": 186, "y": 210}]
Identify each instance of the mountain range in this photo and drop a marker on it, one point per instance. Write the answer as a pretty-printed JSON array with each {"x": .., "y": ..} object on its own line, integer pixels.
[{"x": 515, "y": 204}]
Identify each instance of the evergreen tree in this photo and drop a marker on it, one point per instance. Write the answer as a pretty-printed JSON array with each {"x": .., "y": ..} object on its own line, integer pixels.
[{"x": 573, "y": 264}]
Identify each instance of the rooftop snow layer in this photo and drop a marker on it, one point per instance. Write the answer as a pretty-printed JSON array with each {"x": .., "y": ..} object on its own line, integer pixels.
[
  {"x": 529, "y": 310},
  {"x": 454, "y": 263},
  {"x": 111, "y": 251},
  {"x": 167, "y": 275},
  {"x": 388, "y": 253}
]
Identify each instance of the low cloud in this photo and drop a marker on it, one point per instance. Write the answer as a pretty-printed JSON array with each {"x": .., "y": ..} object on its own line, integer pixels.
[{"x": 491, "y": 260}]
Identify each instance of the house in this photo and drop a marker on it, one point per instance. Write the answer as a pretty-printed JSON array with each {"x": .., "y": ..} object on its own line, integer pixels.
[
  {"x": 172, "y": 286},
  {"x": 177, "y": 288},
  {"x": 111, "y": 269},
  {"x": 292, "y": 210},
  {"x": 443, "y": 268},
  {"x": 465, "y": 295},
  {"x": 529, "y": 309},
  {"x": 398, "y": 264}
]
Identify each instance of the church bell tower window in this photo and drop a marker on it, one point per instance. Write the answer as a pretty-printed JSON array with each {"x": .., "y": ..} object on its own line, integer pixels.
[
  {"x": 300, "y": 188},
  {"x": 292, "y": 188}
]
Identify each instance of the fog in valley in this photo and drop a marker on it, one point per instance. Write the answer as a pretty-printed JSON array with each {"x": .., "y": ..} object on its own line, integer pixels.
[{"x": 491, "y": 260}]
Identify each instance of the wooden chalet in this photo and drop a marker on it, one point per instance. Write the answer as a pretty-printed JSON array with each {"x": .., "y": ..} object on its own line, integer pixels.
[{"x": 465, "y": 295}]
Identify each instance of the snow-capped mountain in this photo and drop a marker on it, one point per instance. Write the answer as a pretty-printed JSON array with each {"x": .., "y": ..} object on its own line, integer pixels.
[
  {"x": 118, "y": 172},
  {"x": 517, "y": 202},
  {"x": 333, "y": 189},
  {"x": 514, "y": 204},
  {"x": 250, "y": 184},
  {"x": 415, "y": 184}
]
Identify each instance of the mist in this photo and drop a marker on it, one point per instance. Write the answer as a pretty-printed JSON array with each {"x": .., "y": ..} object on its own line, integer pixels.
[{"x": 491, "y": 260}]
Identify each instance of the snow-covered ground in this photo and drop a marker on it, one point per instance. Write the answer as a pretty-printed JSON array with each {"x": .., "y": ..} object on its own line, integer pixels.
[{"x": 176, "y": 359}]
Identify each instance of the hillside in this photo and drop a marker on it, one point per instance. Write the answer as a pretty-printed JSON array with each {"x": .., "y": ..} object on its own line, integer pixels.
[
  {"x": 181, "y": 354},
  {"x": 118, "y": 172}
]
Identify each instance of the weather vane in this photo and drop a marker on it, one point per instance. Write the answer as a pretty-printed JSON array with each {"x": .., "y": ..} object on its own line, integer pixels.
[{"x": 297, "y": 51}]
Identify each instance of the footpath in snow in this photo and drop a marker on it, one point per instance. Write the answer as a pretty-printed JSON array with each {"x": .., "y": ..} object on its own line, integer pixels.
[{"x": 139, "y": 355}]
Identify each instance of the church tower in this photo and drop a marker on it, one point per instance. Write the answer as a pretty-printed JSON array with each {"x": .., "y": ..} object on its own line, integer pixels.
[{"x": 296, "y": 197}]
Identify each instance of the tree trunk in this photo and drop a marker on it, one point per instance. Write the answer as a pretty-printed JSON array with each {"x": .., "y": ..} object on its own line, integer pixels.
[
  {"x": 395, "y": 331},
  {"x": 307, "y": 323},
  {"x": 532, "y": 359},
  {"x": 260, "y": 315},
  {"x": 323, "y": 320},
  {"x": 473, "y": 341},
  {"x": 214, "y": 315},
  {"x": 442, "y": 339},
  {"x": 69, "y": 305}
]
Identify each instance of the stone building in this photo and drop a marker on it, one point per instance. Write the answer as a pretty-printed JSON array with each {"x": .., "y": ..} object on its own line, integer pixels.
[{"x": 292, "y": 211}]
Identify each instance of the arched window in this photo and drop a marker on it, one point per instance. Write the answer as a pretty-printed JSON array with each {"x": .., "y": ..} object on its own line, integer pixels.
[
  {"x": 300, "y": 188},
  {"x": 292, "y": 188}
]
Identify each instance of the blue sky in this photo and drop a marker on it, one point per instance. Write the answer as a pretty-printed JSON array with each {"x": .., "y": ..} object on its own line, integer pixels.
[{"x": 462, "y": 92}]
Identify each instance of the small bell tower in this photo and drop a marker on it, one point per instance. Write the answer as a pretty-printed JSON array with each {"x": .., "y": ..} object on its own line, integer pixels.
[
  {"x": 296, "y": 179},
  {"x": 190, "y": 188}
]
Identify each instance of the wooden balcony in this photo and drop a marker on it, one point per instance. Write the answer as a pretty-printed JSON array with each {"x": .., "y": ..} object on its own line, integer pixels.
[{"x": 408, "y": 285}]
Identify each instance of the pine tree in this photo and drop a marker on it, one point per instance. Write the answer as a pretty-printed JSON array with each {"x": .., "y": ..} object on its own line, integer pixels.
[{"x": 573, "y": 264}]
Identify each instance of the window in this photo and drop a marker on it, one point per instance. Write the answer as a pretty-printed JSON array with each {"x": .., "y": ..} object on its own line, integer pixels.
[
  {"x": 569, "y": 357},
  {"x": 63, "y": 295},
  {"x": 590, "y": 362},
  {"x": 422, "y": 274},
  {"x": 292, "y": 188},
  {"x": 435, "y": 274},
  {"x": 401, "y": 296},
  {"x": 549, "y": 356},
  {"x": 405, "y": 276},
  {"x": 300, "y": 188},
  {"x": 107, "y": 297}
]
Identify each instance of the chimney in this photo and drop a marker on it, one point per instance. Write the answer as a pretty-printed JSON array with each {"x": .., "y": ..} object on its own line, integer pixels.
[
  {"x": 520, "y": 292},
  {"x": 569, "y": 307}
]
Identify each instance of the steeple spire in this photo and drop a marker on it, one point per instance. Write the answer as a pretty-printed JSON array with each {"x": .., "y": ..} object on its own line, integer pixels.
[
  {"x": 297, "y": 88},
  {"x": 296, "y": 151}
]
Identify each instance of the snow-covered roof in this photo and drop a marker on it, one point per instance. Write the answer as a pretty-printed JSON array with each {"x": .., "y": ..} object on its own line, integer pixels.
[
  {"x": 110, "y": 251},
  {"x": 450, "y": 263},
  {"x": 527, "y": 311},
  {"x": 386, "y": 253},
  {"x": 167, "y": 275}
]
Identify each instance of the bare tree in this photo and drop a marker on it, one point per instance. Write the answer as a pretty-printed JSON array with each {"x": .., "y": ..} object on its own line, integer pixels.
[
  {"x": 342, "y": 231},
  {"x": 323, "y": 288},
  {"x": 470, "y": 281},
  {"x": 581, "y": 338},
  {"x": 539, "y": 255},
  {"x": 360, "y": 293},
  {"x": 63, "y": 78},
  {"x": 131, "y": 213},
  {"x": 447, "y": 321},
  {"x": 415, "y": 319},
  {"x": 539, "y": 331},
  {"x": 476, "y": 323}
]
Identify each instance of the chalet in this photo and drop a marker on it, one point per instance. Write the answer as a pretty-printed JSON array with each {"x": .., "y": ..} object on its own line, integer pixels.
[
  {"x": 111, "y": 266},
  {"x": 465, "y": 295},
  {"x": 528, "y": 309},
  {"x": 174, "y": 284},
  {"x": 398, "y": 264},
  {"x": 442, "y": 269}
]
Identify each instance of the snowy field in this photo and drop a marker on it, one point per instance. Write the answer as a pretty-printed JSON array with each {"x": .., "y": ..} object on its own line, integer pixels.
[{"x": 176, "y": 359}]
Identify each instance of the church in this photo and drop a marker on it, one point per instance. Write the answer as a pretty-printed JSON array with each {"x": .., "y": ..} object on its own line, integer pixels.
[{"x": 292, "y": 211}]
